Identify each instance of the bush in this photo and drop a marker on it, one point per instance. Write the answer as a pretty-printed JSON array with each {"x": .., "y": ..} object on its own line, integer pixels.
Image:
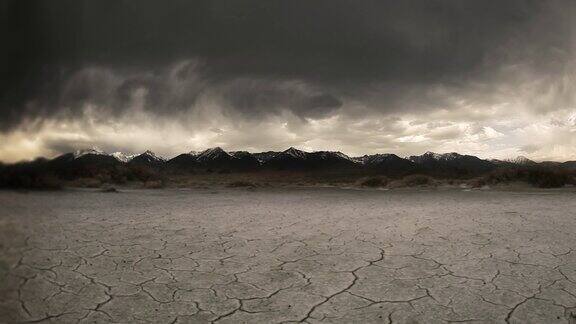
[
  {"x": 47, "y": 181},
  {"x": 154, "y": 184},
  {"x": 541, "y": 178},
  {"x": 87, "y": 183},
  {"x": 142, "y": 173},
  {"x": 414, "y": 180},
  {"x": 374, "y": 182},
  {"x": 477, "y": 182},
  {"x": 241, "y": 184},
  {"x": 548, "y": 178},
  {"x": 24, "y": 178}
]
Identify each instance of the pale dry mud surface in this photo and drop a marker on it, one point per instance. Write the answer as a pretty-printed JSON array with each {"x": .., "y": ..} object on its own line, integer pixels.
[{"x": 288, "y": 255}]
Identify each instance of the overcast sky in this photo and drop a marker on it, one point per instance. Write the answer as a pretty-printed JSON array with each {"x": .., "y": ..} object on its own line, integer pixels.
[{"x": 489, "y": 78}]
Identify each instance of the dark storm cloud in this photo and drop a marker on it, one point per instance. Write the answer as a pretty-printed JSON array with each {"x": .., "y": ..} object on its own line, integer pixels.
[
  {"x": 262, "y": 97},
  {"x": 178, "y": 87},
  {"x": 260, "y": 57}
]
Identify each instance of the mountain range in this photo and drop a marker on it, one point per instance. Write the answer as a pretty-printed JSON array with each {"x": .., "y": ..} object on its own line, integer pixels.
[
  {"x": 218, "y": 160},
  {"x": 93, "y": 168}
]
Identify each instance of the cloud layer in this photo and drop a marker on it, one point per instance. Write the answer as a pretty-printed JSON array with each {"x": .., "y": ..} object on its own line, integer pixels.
[{"x": 495, "y": 79}]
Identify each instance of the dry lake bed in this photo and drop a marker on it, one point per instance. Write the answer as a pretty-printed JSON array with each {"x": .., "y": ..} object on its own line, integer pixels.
[{"x": 288, "y": 255}]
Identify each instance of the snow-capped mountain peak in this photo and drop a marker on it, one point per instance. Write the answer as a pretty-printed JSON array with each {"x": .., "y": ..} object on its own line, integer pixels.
[
  {"x": 521, "y": 160},
  {"x": 212, "y": 154},
  {"x": 93, "y": 151},
  {"x": 435, "y": 156},
  {"x": 432, "y": 155},
  {"x": 151, "y": 156},
  {"x": 377, "y": 158},
  {"x": 333, "y": 154},
  {"x": 295, "y": 153},
  {"x": 450, "y": 156},
  {"x": 122, "y": 157},
  {"x": 344, "y": 156}
]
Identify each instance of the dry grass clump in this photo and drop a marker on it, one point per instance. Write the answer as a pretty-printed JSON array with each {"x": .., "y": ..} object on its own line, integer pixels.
[
  {"x": 373, "y": 182},
  {"x": 154, "y": 184},
  {"x": 86, "y": 183},
  {"x": 241, "y": 184},
  {"x": 415, "y": 180},
  {"x": 540, "y": 178},
  {"x": 28, "y": 175},
  {"x": 109, "y": 190},
  {"x": 30, "y": 181},
  {"x": 477, "y": 182}
]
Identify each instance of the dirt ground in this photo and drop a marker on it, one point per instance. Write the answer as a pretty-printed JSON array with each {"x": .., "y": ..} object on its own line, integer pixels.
[{"x": 288, "y": 255}]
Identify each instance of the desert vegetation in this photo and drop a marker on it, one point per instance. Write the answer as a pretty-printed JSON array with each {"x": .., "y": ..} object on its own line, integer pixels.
[
  {"x": 241, "y": 184},
  {"x": 536, "y": 177},
  {"x": 40, "y": 175},
  {"x": 415, "y": 180},
  {"x": 45, "y": 175},
  {"x": 374, "y": 182},
  {"x": 29, "y": 176}
]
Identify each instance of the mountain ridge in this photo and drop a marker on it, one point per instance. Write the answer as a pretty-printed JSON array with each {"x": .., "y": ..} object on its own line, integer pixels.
[
  {"x": 296, "y": 159},
  {"x": 218, "y": 159},
  {"x": 94, "y": 167}
]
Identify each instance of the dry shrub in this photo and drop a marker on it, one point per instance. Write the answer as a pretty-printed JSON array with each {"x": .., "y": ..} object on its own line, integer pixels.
[
  {"x": 541, "y": 178},
  {"x": 48, "y": 181},
  {"x": 373, "y": 182},
  {"x": 154, "y": 184},
  {"x": 143, "y": 173},
  {"x": 415, "y": 180},
  {"x": 33, "y": 181},
  {"x": 28, "y": 175},
  {"x": 241, "y": 184},
  {"x": 87, "y": 183},
  {"x": 548, "y": 178},
  {"x": 477, "y": 182}
]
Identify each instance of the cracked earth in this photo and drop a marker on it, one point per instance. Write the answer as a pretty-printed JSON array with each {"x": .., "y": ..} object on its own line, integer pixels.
[{"x": 288, "y": 255}]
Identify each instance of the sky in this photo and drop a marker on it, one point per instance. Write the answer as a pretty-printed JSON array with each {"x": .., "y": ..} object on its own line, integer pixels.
[{"x": 496, "y": 79}]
